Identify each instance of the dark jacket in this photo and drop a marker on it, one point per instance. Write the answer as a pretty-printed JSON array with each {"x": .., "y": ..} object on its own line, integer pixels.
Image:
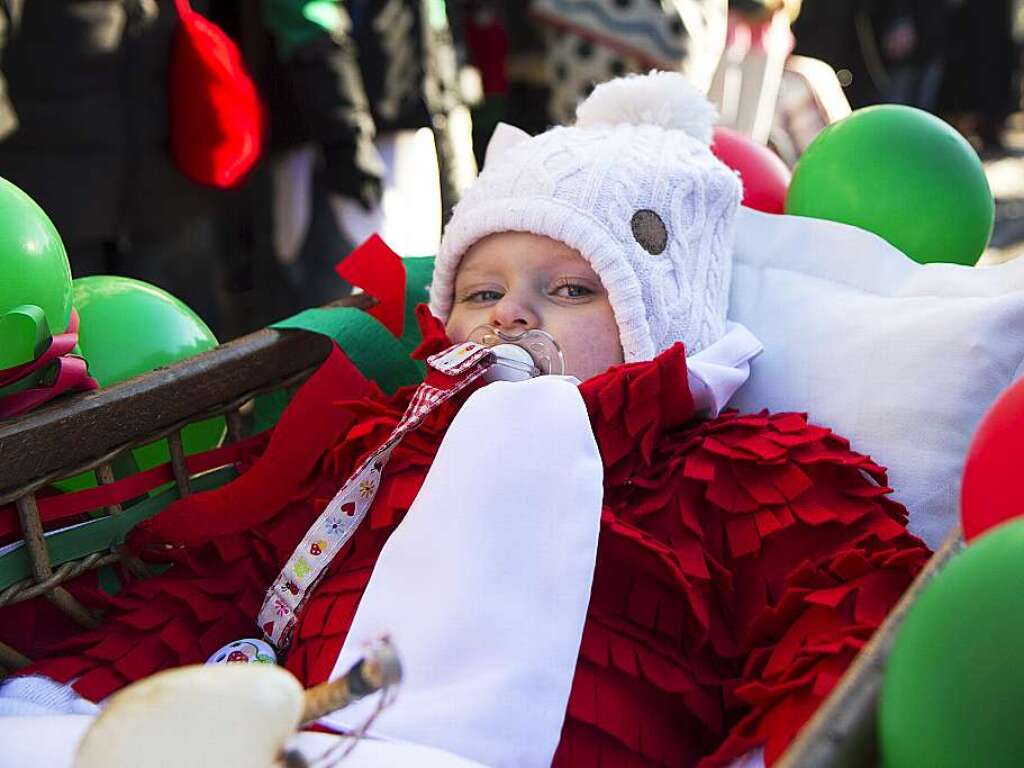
[
  {"x": 87, "y": 80},
  {"x": 8, "y": 120},
  {"x": 406, "y": 59},
  {"x": 372, "y": 66}
]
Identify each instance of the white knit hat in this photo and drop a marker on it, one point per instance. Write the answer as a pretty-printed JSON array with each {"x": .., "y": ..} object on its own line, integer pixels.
[{"x": 634, "y": 188}]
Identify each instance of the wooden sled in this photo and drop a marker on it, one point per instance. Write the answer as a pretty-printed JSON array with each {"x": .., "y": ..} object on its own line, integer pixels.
[{"x": 88, "y": 432}]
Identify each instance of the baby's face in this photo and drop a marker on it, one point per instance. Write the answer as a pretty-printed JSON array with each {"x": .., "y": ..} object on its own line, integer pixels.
[{"x": 518, "y": 281}]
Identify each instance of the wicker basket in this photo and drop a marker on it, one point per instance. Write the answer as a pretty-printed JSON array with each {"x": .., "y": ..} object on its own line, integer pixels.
[
  {"x": 843, "y": 732},
  {"x": 88, "y": 432}
]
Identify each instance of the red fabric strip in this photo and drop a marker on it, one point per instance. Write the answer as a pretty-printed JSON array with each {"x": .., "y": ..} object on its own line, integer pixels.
[
  {"x": 379, "y": 271},
  {"x": 306, "y": 430},
  {"x": 59, "y": 508},
  {"x": 72, "y": 374}
]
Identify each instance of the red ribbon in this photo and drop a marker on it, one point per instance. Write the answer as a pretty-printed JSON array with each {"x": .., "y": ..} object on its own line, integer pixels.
[
  {"x": 379, "y": 271},
  {"x": 59, "y": 508}
]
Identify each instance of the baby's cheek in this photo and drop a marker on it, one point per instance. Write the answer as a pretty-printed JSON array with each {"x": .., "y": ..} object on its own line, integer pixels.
[
  {"x": 455, "y": 329},
  {"x": 591, "y": 345}
]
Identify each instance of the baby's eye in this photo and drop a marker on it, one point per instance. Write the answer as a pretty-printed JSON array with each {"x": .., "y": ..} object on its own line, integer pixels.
[
  {"x": 573, "y": 291},
  {"x": 483, "y": 296}
]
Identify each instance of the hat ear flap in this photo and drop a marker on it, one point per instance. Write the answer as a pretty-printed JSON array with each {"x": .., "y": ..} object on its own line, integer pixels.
[{"x": 505, "y": 137}]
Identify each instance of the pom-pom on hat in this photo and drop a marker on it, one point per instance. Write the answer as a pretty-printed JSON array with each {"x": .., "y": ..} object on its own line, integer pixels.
[{"x": 634, "y": 188}]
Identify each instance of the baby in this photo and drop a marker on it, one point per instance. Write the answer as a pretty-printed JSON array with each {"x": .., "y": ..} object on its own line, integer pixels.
[
  {"x": 519, "y": 281},
  {"x": 598, "y": 568}
]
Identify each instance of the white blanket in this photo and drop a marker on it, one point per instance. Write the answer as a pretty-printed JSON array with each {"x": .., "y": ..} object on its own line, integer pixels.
[
  {"x": 51, "y": 742},
  {"x": 505, "y": 527}
]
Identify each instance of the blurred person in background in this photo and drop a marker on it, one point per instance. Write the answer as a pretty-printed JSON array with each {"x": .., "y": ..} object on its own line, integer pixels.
[
  {"x": 843, "y": 34},
  {"x": 978, "y": 90},
  {"x": 8, "y": 119},
  {"x": 507, "y": 49},
  {"x": 537, "y": 59},
  {"x": 746, "y": 84},
  {"x": 588, "y": 42},
  {"x": 906, "y": 42},
  {"x": 345, "y": 85},
  {"x": 363, "y": 110},
  {"x": 953, "y": 57},
  {"x": 279, "y": 259},
  {"x": 87, "y": 139}
]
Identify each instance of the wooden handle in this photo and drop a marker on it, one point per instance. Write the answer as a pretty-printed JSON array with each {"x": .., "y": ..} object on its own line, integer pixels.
[{"x": 380, "y": 668}]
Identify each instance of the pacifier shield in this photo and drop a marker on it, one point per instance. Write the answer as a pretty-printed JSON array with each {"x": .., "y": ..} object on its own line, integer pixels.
[
  {"x": 511, "y": 363},
  {"x": 545, "y": 356}
]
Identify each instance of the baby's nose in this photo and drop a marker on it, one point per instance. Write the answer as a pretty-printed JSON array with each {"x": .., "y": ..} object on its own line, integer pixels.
[{"x": 510, "y": 312}]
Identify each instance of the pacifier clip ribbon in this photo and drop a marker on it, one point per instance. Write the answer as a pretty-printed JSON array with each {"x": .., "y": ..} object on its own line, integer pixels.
[{"x": 464, "y": 363}]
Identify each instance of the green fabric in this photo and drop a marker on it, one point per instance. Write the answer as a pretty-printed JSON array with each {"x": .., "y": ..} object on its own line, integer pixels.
[
  {"x": 24, "y": 337},
  {"x": 369, "y": 345},
  {"x": 418, "y": 271},
  {"x": 267, "y": 409},
  {"x": 295, "y": 23},
  {"x": 104, "y": 533}
]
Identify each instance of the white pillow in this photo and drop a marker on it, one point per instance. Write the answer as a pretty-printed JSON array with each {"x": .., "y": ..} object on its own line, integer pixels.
[{"x": 902, "y": 359}]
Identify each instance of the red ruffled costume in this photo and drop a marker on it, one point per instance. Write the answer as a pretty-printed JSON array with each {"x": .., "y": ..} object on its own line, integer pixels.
[{"x": 742, "y": 563}]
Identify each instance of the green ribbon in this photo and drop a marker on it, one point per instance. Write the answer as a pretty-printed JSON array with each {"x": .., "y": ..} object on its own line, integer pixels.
[
  {"x": 24, "y": 335},
  {"x": 103, "y": 533},
  {"x": 377, "y": 354}
]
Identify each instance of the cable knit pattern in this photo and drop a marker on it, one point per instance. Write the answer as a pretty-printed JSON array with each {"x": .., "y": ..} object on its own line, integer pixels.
[{"x": 582, "y": 186}]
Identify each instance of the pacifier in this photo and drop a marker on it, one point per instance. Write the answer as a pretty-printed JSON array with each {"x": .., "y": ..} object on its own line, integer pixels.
[{"x": 519, "y": 356}]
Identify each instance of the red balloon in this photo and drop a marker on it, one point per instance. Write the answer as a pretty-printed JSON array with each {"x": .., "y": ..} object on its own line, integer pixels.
[
  {"x": 993, "y": 489},
  {"x": 765, "y": 177}
]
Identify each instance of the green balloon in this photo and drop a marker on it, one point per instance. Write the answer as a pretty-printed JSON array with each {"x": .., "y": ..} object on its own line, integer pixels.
[
  {"x": 903, "y": 174},
  {"x": 127, "y": 328},
  {"x": 954, "y": 687},
  {"x": 35, "y": 279}
]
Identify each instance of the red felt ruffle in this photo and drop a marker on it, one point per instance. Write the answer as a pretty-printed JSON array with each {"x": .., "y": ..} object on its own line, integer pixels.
[{"x": 742, "y": 563}]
